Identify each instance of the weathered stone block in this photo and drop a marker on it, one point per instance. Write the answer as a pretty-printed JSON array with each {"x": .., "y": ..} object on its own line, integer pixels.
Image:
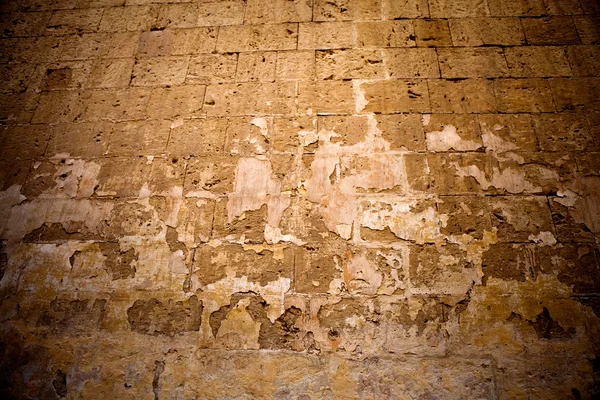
[
  {"x": 562, "y": 132},
  {"x": 537, "y": 61},
  {"x": 501, "y": 133},
  {"x": 550, "y": 31},
  {"x": 326, "y": 35},
  {"x": 66, "y": 22},
  {"x": 257, "y": 37},
  {"x": 295, "y": 65},
  {"x": 198, "y": 137},
  {"x": 160, "y": 71},
  {"x": 250, "y": 99},
  {"x": 326, "y": 97},
  {"x": 278, "y": 11},
  {"x": 212, "y": 68},
  {"x": 375, "y": 34},
  {"x": 344, "y": 10},
  {"x": 432, "y": 33},
  {"x": 487, "y": 32},
  {"x": 139, "y": 138},
  {"x": 402, "y": 131},
  {"x": 221, "y": 13},
  {"x": 176, "y": 102},
  {"x": 472, "y": 63},
  {"x": 256, "y": 66},
  {"x": 395, "y": 96},
  {"x": 526, "y": 95},
  {"x": 411, "y": 63},
  {"x": 349, "y": 64},
  {"x": 462, "y": 96}
]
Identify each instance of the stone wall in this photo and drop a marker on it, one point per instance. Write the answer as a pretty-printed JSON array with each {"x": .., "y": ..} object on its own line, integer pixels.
[{"x": 300, "y": 199}]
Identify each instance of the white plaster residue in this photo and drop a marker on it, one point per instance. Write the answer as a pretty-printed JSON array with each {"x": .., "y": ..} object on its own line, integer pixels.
[
  {"x": 76, "y": 178},
  {"x": 253, "y": 187},
  {"x": 262, "y": 124},
  {"x": 361, "y": 276},
  {"x": 448, "y": 139},
  {"x": 307, "y": 138},
  {"x": 495, "y": 143},
  {"x": 543, "y": 238},
  {"x": 177, "y": 263},
  {"x": 177, "y": 123},
  {"x": 425, "y": 118},
  {"x": 144, "y": 191},
  {"x": 174, "y": 202},
  {"x": 359, "y": 95},
  {"x": 419, "y": 226},
  {"x": 273, "y": 236},
  {"x": 567, "y": 198},
  {"x": 509, "y": 179}
]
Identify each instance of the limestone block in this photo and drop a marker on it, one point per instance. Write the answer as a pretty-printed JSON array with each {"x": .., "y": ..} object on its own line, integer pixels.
[
  {"x": 508, "y": 262},
  {"x": 290, "y": 134},
  {"x": 136, "y": 18},
  {"x": 576, "y": 93},
  {"x": 586, "y": 28},
  {"x": 326, "y": 97},
  {"x": 55, "y": 107},
  {"x": 28, "y": 141},
  {"x": 461, "y": 8},
  {"x": 211, "y": 265},
  {"x": 160, "y": 71},
  {"x": 394, "y": 9},
  {"x": 393, "y": 96},
  {"x": 402, "y": 131},
  {"x": 487, "y": 31},
  {"x": 525, "y": 95},
  {"x": 522, "y": 219},
  {"x": 257, "y": 37},
  {"x": 344, "y": 10},
  {"x": 96, "y": 45},
  {"x": 278, "y": 11},
  {"x": 537, "y": 61},
  {"x": 256, "y": 66},
  {"x": 221, "y": 13},
  {"x": 212, "y": 68},
  {"x": 550, "y": 31},
  {"x": 295, "y": 65},
  {"x": 451, "y": 132},
  {"x": 249, "y": 99},
  {"x": 66, "y": 22},
  {"x": 86, "y": 140},
  {"x": 584, "y": 60},
  {"x": 518, "y": 8},
  {"x": 349, "y": 64},
  {"x": 472, "y": 63},
  {"x": 176, "y": 102},
  {"x": 19, "y": 24},
  {"x": 385, "y": 33},
  {"x": 432, "y": 33},
  {"x": 411, "y": 63},
  {"x": 326, "y": 35},
  {"x": 107, "y": 73},
  {"x": 501, "y": 133},
  {"x": 210, "y": 175},
  {"x": 158, "y": 176},
  {"x": 182, "y": 15},
  {"x": 139, "y": 138},
  {"x": 462, "y": 96},
  {"x": 562, "y": 132},
  {"x": 198, "y": 137},
  {"x": 115, "y": 104}
]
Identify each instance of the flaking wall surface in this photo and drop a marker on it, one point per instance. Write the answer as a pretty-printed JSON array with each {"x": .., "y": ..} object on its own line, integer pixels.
[{"x": 299, "y": 199}]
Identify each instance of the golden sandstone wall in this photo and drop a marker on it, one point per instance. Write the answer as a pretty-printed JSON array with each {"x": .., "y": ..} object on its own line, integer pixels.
[{"x": 300, "y": 199}]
